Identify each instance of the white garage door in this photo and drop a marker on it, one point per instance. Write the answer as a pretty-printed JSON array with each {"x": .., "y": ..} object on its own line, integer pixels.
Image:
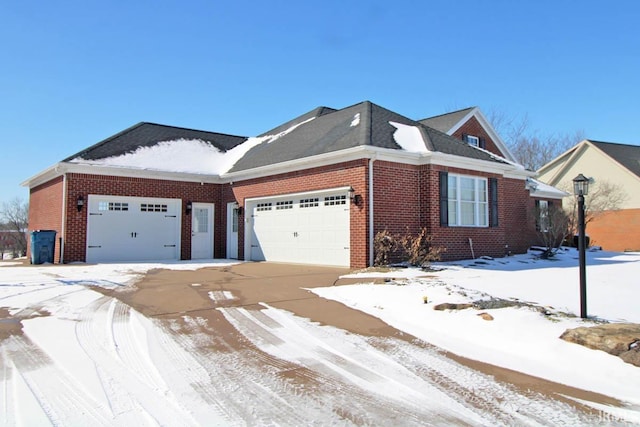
[
  {"x": 132, "y": 228},
  {"x": 303, "y": 228}
]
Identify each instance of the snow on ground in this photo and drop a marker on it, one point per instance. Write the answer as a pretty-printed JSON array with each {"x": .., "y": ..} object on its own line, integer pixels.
[
  {"x": 85, "y": 358},
  {"x": 523, "y": 339}
]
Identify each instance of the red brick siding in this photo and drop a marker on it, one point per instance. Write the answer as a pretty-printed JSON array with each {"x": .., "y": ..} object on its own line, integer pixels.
[
  {"x": 473, "y": 127},
  {"x": 45, "y": 211},
  {"x": 616, "y": 230},
  {"x": 346, "y": 174},
  {"x": 515, "y": 229},
  {"x": 406, "y": 198},
  {"x": 83, "y": 184}
]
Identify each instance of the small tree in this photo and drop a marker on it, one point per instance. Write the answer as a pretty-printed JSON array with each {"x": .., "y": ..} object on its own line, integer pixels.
[
  {"x": 15, "y": 215},
  {"x": 552, "y": 223},
  {"x": 603, "y": 196}
]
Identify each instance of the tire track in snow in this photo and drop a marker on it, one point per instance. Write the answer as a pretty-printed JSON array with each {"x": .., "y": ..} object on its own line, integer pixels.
[
  {"x": 244, "y": 389},
  {"x": 353, "y": 390},
  {"x": 497, "y": 403},
  {"x": 506, "y": 404},
  {"x": 58, "y": 395},
  {"x": 136, "y": 392}
]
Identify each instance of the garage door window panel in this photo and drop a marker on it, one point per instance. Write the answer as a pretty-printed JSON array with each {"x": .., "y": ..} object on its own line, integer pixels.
[{"x": 113, "y": 206}]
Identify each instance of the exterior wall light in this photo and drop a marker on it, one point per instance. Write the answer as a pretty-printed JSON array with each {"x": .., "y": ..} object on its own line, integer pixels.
[
  {"x": 80, "y": 202},
  {"x": 188, "y": 207}
]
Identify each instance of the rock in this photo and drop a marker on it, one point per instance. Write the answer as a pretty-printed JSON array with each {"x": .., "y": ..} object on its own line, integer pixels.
[
  {"x": 451, "y": 306},
  {"x": 632, "y": 356},
  {"x": 485, "y": 316},
  {"x": 618, "y": 339}
]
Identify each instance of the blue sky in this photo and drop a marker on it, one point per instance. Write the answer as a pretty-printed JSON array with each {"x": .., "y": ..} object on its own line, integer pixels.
[{"x": 75, "y": 72}]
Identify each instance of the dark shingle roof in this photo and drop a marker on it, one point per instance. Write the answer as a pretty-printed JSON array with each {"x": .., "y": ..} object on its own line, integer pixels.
[
  {"x": 627, "y": 155},
  {"x": 316, "y": 112},
  {"x": 149, "y": 134},
  {"x": 445, "y": 122},
  {"x": 336, "y": 130}
]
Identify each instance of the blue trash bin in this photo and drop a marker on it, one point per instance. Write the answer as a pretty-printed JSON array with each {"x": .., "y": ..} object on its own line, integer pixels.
[{"x": 43, "y": 244}]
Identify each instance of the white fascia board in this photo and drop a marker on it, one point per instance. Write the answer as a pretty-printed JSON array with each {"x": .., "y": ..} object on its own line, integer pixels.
[
  {"x": 44, "y": 176},
  {"x": 384, "y": 154},
  {"x": 494, "y": 135},
  {"x": 572, "y": 156},
  {"x": 320, "y": 160},
  {"x": 462, "y": 121},
  {"x": 549, "y": 194},
  {"x": 64, "y": 167},
  {"x": 477, "y": 113},
  {"x": 560, "y": 157}
]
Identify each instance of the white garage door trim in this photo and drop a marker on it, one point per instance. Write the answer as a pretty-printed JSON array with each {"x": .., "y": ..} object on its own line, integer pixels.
[
  {"x": 124, "y": 228},
  {"x": 307, "y": 228}
]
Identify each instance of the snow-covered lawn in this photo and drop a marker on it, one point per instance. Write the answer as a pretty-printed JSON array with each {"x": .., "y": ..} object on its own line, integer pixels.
[
  {"x": 72, "y": 331},
  {"x": 523, "y": 339}
]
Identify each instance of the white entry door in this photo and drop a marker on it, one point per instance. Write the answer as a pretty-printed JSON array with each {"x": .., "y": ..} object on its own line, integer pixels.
[
  {"x": 202, "y": 231},
  {"x": 232, "y": 230}
]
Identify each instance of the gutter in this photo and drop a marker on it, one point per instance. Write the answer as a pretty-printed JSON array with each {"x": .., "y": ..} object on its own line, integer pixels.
[
  {"x": 64, "y": 217},
  {"x": 371, "y": 204}
]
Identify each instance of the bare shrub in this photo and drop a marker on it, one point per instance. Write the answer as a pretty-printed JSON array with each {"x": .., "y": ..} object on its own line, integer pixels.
[{"x": 416, "y": 250}]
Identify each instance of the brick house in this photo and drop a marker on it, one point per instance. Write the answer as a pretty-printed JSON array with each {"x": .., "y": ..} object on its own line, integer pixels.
[
  {"x": 619, "y": 164},
  {"x": 314, "y": 190}
]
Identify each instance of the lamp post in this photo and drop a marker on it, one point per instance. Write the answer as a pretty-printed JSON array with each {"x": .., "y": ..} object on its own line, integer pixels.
[{"x": 581, "y": 189}]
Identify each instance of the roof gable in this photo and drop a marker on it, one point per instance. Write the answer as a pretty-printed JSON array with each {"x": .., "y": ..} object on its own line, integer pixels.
[
  {"x": 446, "y": 122},
  {"x": 449, "y": 123},
  {"x": 150, "y": 134},
  {"x": 626, "y": 155}
]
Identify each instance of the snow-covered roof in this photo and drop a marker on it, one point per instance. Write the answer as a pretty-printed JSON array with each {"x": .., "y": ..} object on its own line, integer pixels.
[
  {"x": 544, "y": 191},
  {"x": 321, "y": 133}
]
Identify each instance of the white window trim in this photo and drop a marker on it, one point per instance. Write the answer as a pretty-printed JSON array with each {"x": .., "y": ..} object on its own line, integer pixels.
[
  {"x": 473, "y": 140},
  {"x": 478, "y": 204}
]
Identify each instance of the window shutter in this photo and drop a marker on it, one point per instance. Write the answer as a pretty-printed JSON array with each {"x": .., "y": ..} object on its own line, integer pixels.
[
  {"x": 493, "y": 202},
  {"x": 537, "y": 215},
  {"x": 464, "y": 137},
  {"x": 482, "y": 143},
  {"x": 444, "y": 199}
]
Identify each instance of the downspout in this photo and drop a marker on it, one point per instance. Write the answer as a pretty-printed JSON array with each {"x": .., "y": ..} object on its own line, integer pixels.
[
  {"x": 371, "y": 235},
  {"x": 64, "y": 217}
]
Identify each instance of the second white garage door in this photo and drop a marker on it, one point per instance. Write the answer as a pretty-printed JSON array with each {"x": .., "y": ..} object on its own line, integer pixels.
[
  {"x": 132, "y": 228},
  {"x": 302, "y": 228}
]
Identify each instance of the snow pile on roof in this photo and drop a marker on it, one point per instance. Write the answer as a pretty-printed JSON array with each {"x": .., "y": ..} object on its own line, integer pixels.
[
  {"x": 181, "y": 155},
  {"x": 540, "y": 189},
  {"x": 271, "y": 138},
  {"x": 356, "y": 120},
  {"x": 185, "y": 155},
  {"x": 409, "y": 138}
]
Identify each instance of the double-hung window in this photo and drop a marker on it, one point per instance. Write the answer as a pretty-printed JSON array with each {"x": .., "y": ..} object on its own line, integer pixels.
[{"x": 467, "y": 201}]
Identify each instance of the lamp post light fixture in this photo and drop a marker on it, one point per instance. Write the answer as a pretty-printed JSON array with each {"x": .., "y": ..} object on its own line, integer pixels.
[{"x": 581, "y": 189}]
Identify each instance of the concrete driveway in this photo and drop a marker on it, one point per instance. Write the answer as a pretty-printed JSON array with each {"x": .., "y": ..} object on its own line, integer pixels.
[{"x": 230, "y": 303}]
